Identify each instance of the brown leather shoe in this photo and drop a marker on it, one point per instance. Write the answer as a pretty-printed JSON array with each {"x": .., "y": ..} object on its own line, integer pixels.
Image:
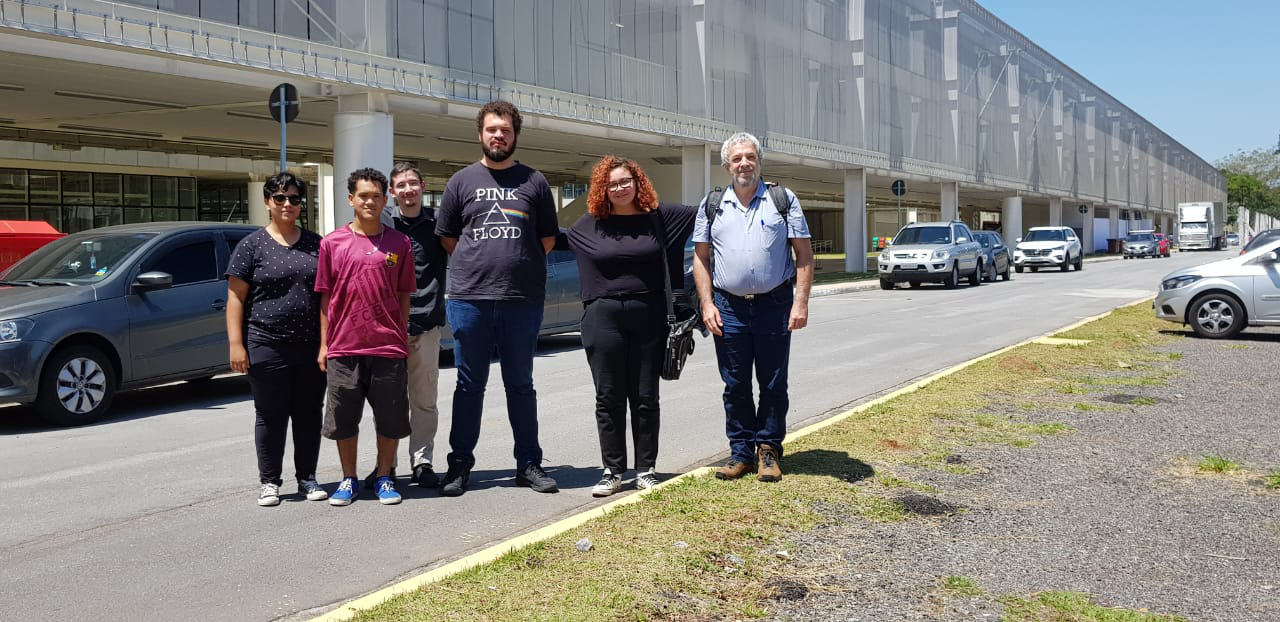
[
  {"x": 768, "y": 469},
  {"x": 732, "y": 470}
]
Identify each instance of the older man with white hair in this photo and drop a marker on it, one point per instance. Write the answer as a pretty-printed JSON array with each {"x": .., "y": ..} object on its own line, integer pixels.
[{"x": 754, "y": 293}]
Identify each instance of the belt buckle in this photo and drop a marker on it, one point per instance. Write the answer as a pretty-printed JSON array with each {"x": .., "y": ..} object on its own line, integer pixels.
[{"x": 749, "y": 297}]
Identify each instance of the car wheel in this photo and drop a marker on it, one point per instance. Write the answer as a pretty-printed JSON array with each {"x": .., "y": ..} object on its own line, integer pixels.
[
  {"x": 1215, "y": 316},
  {"x": 1018, "y": 269},
  {"x": 886, "y": 284},
  {"x": 1066, "y": 263},
  {"x": 989, "y": 275},
  {"x": 953, "y": 279},
  {"x": 975, "y": 279},
  {"x": 76, "y": 386},
  {"x": 1080, "y": 262},
  {"x": 1006, "y": 276},
  {"x": 1035, "y": 268},
  {"x": 914, "y": 283}
]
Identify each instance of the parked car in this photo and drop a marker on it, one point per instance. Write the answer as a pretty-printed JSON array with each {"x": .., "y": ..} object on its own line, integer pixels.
[
  {"x": 1233, "y": 239},
  {"x": 995, "y": 256},
  {"x": 1262, "y": 237},
  {"x": 1143, "y": 244},
  {"x": 1165, "y": 244},
  {"x": 114, "y": 308},
  {"x": 1220, "y": 298},
  {"x": 1048, "y": 247},
  {"x": 937, "y": 252}
]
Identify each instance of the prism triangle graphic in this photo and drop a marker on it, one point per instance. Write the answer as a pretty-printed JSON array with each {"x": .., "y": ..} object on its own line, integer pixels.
[{"x": 496, "y": 217}]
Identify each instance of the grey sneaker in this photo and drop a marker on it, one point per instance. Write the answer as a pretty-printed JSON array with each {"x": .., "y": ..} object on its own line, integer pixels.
[
  {"x": 534, "y": 477},
  {"x": 312, "y": 490},
  {"x": 608, "y": 484},
  {"x": 646, "y": 480},
  {"x": 269, "y": 495}
]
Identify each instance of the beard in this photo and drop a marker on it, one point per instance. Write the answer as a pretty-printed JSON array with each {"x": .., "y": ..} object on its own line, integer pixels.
[
  {"x": 747, "y": 179},
  {"x": 499, "y": 155}
]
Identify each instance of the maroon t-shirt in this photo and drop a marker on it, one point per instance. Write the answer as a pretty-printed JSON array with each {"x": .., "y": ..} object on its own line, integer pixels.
[{"x": 364, "y": 277}]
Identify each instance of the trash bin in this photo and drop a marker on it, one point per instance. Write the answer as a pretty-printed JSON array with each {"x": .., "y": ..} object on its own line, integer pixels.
[
  {"x": 1115, "y": 245},
  {"x": 18, "y": 238}
]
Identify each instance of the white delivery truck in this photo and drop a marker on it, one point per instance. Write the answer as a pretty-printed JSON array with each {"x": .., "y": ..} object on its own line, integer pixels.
[{"x": 1200, "y": 226}]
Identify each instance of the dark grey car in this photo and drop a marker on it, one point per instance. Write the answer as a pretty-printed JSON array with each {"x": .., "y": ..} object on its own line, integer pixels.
[
  {"x": 114, "y": 308},
  {"x": 995, "y": 256}
]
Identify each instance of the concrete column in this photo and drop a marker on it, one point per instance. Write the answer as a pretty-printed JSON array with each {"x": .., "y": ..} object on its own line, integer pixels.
[
  {"x": 325, "y": 218},
  {"x": 912, "y": 216},
  {"x": 855, "y": 220},
  {"x": 1164, "y": 224},
  {"x": 1087, "y": 229},
  {"x": 950, "y": 200},
  {"x": 1011, "y": 218},
  {"x": 555, "y": 196},
  {"x": 1113, "y": 222},
  {"x": 1055, "y": 212},
  {"x": 258, "y": 214},
  {"x": 363, "y": 135},
  {"x": 695, "y": 173}
]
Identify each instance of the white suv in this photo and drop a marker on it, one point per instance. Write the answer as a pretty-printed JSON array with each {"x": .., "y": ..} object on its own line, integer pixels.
[{"x": 1048, "y": 247}]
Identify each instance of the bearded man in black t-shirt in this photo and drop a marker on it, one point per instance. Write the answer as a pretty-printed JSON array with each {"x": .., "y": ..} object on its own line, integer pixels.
[{"x": 497, "y": 220}]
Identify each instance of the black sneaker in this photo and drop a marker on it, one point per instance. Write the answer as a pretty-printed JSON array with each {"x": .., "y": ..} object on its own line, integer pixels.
[
  {"x": 425, "y": 477},
  {"x": 372, "y": 480},
  {"x": 455, "y": 482},
  {"x": 534, "y": 477}
]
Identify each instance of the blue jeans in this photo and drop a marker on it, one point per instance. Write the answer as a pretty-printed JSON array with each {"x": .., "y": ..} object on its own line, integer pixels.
[
  {"x": 479, "y": 328},
  {"x": 755, "y": 335}
]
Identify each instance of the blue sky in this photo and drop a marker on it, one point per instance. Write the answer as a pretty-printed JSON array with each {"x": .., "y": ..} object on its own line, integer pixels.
[{"x": 1207, "y": 73}]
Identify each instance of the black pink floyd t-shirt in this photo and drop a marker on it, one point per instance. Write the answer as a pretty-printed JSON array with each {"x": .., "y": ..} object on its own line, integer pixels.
[{"x": 499, "y": 218}]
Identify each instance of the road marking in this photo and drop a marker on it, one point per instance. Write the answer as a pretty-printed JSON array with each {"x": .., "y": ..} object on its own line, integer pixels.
[
  {"x": 1109, "y": 293},
  {"x": 98, "y": 467},
  {"x": 347, "y": 610}
]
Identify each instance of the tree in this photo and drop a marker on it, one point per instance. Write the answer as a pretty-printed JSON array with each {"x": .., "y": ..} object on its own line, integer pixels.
[{"x": 1253, "y": 181}]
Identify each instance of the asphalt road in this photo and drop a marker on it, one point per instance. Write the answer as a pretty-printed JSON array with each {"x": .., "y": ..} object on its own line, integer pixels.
[{"x": 152, "y": 513}]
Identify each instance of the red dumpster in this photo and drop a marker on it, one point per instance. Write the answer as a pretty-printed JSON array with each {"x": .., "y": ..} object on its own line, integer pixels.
[{"x": 18, "y": 238}]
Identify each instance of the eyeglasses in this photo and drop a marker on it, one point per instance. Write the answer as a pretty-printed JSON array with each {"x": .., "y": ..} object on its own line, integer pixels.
[
  {"x": 293, "y": 199},
  {"x": 621, "y": 184}
]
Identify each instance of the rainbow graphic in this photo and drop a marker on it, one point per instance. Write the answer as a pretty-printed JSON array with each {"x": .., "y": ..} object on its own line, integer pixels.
[{"x": 515, "y": 213}]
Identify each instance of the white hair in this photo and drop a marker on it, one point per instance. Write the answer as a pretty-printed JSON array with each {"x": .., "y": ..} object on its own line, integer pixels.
[{"x": 740, "y": 137}]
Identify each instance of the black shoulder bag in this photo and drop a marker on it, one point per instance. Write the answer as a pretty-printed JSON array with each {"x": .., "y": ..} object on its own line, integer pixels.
[{"x": 679, "y": 328}]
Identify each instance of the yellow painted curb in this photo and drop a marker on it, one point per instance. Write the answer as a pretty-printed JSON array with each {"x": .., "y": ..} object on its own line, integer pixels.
[
  {"x": 348, "y": 609},
  {"x": 1059, "y": 341}
]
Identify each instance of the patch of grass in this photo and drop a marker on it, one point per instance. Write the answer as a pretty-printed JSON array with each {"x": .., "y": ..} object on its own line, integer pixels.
[
  {"x": 1081, "y": 406},
  {"x": 1072, "y": 607},
  {"x": 1237, "y": 346},
  {"x": 1021, "y": 442},
  {"x": 1272, "y": 480},
  {"x": 1072, "y": 388},
  {"x": 638, "y": 574},
  {"x": 1175, "y": 356},
  {"x": 1216, "y": 463},
  {"x": 1144, "y": 401},
  {"x": 961, "y": 586}
]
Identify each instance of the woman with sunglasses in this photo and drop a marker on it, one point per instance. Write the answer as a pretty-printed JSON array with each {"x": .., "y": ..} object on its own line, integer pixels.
[
  {"x": 621, "y": 254},
  {"x": 273, "y": 324}
]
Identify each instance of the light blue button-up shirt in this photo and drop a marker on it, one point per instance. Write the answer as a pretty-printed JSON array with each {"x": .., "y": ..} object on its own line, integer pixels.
[{"x": 750, "y": 243}]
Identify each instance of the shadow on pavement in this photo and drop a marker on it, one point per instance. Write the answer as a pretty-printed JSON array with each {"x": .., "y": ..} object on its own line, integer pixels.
[{"x": 213, "y": 394}]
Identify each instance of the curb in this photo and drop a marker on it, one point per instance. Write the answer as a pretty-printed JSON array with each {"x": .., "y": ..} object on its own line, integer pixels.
[{"x": 349, "y": 609}]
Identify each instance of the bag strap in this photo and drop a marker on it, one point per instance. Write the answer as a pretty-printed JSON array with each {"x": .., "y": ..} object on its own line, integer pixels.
[
  {"x": 710, "y": 206},
  {"x": 659, "y": 231}
]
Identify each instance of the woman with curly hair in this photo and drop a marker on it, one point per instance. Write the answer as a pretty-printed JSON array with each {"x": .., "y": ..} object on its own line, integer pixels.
[{"x": 621, "y": 256}]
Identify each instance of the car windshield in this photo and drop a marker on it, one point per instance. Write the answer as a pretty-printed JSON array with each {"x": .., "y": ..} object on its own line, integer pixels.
[
  {"x": 1139, "y": 237},
  {"x": 1044, "y": 235},
  {"x": 1260, "y": 239},
  {"x": 924, "y": 235},
  {"x": 78, "y": 258},
  {"x": 983, "y": 238},
  {"x": 1194, "y": 226}
]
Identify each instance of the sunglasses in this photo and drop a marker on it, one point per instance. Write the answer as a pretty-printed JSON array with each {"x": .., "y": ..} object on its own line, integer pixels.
[{"x": 293, "y": 199}]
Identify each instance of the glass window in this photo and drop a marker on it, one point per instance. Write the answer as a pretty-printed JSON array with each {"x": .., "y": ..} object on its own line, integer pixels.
[
  {"x": 187, "y": 214},
  {"x": 77, "y": 218},
  {"x": 182, "y": 7},
  {"x": 164, "y": 191},
  {"x": 137, "y": 190},
  {"x": 13, "y": 185},
  {"x": 408, "y": 28},
  {"x": 136, "y": 214},
  {"x": 44, "y": 186},
  {"x": 107, "y": 216},
  {"x": 186, "y": 192},
  {"x": 189, "y": 263},
  {"x": 291, "y": 18},
  {"x": 106, "y": 189},
  {"x": 48, "y": 213},
  {"x": 77, "y": 188},
  {"x": 322, "y": 15},
  {"x": 164, "y": 214},
  {"x": 13, "y": 212},
  {"x": 258, "y": 14},
  {"x": 220, "y": 11}
]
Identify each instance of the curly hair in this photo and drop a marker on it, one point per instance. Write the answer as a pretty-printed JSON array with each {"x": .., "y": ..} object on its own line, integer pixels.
[
  {"x": 502, "y": 109},
  {"x": 598, "y": 204}
]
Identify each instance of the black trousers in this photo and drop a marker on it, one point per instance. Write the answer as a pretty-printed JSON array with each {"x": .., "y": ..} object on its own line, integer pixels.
[
  {"x": 624, "y": 339},
  {"x": 287, "y": 384}
]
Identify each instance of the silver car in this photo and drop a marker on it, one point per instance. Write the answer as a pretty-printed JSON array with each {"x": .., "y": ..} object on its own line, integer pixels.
[
  {"x": 931, "y": 252},
  {"x": 1220, "y": 298}
]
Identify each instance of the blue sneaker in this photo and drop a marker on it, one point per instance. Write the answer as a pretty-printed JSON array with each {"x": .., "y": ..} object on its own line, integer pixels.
[
  {"x": 346, "y": 492},
  {"x": 387, "y": 494}
]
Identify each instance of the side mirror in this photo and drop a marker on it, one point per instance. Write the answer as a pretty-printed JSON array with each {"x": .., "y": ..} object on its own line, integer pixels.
[
  {"x": 148, "y": 281},
  {"x": 961, "y": 240},
  {"x": 1271, "y": 257},
  {"x": 1017, "y": 240}
]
